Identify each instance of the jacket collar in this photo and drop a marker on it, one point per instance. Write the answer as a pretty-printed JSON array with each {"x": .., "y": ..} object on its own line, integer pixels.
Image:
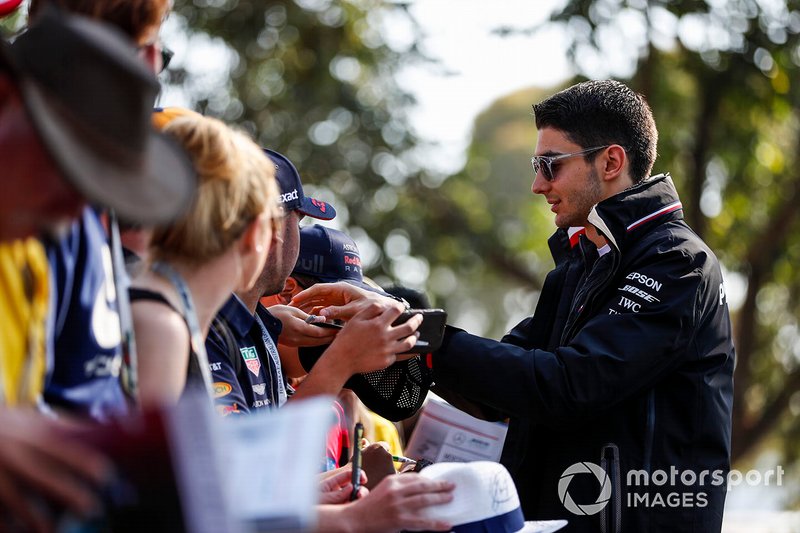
[
  {"x": 237, "y": 315},
  {"x": 625, "y": 215}
]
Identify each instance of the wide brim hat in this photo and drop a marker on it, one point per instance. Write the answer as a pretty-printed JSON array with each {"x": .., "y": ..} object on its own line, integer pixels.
[
  {"x": 89, "y": 97},
  {"x": 484, "y": 499}
]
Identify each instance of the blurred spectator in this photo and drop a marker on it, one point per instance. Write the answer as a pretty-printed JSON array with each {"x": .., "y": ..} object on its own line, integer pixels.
[
  {"x": 88, "y": 341},
  {"x": 242, "y": 345},
  {"x": 66, "y": 137},
  {"x": 219, "y": 246}
]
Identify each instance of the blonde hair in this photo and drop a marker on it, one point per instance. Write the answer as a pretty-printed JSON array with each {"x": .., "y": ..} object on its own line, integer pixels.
[{"x": 236, "y": 184}]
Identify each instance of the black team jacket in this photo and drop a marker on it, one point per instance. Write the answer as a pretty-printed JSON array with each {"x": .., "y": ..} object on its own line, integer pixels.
[{"x": 627, "y": 363}]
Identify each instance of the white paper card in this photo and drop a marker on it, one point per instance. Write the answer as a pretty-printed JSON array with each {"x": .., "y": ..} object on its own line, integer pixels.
[
  {"x": 444, "y": 433},
  {"x": 271, "y": 462}
]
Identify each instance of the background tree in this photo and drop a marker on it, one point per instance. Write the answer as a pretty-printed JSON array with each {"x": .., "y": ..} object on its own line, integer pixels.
[{"x": 315, "y": 80}]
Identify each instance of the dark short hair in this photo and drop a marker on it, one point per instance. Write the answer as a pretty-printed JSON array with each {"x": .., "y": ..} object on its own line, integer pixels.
[{"x": 596, "y": 113}]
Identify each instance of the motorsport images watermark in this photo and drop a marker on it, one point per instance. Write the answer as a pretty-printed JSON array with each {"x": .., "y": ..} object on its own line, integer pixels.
[{"x": 638, "y": 481}]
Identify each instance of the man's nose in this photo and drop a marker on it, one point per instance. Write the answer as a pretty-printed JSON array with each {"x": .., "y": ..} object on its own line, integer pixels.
[{"x": 539, "y": 185}]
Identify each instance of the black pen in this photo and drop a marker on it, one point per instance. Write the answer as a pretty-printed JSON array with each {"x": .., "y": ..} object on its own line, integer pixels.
[{"x": 358, "y": 434}]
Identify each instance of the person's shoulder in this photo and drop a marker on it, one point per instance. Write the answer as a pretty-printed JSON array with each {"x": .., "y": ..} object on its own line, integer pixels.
[{"x": 158, "y": 320}]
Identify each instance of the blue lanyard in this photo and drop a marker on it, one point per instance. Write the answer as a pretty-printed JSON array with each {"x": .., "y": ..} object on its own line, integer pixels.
[{"x": 190, "y": 315}]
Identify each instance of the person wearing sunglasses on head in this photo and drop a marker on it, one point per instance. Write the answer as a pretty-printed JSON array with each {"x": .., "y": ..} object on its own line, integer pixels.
[{"x": 628, "y": 361}]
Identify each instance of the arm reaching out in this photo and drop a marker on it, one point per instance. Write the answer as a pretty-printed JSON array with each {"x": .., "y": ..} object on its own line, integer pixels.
[
  {"x": 367, "y": 342},
  {"x": 336, "y": 300},
  {"x": 296, "y": 331},
  {"x": 393, "y": 505}
]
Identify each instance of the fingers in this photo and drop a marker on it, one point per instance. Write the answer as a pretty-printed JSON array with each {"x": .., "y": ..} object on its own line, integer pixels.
[
  {"x": 408, "y": 328},
  {"x": 337, "y": 480},
  {"x": 298, "y": 332},
  {"x": 35, "y": 454},
  {"x": 341, "y": 312},
  {"x": 362, "y": 492},
  {"x": 329, "y": 294},
  {"x": 57, "y": 476},
  {"x": 17, "y": 507}
]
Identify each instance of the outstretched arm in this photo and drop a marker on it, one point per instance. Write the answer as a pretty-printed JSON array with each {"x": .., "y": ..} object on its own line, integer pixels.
[
  {"x": 367, "y": 342},
  {"x": 393, "y": 505}
]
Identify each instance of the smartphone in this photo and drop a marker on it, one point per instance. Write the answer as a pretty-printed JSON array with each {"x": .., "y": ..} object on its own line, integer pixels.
[
  {"x": 430, "y": 331},
  {"x": 329, "y": 325},
  {"x": 336, "y": 324}
]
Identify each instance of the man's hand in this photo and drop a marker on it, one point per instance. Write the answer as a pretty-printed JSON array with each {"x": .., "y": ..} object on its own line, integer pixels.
[
  {"x": 369, "y": 342},
  {"x": 39, "y": 465},
  {"x": 336, "y": 486},
  {"x": 336, "y": 300},
  {"x": 296, "y": 331},
  {"x": 393, "y": 505}
]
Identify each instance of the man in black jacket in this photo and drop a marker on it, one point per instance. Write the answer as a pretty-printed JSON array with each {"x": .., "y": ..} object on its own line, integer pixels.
[
  {"x": 628, "y": 361},
  {"x": 619, "y": 388}
]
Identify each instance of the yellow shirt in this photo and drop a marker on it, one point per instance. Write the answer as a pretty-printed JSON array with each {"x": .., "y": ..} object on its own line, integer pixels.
[
  {"x": 385, "y": 431},
  {"x": 24, "y": 302}
]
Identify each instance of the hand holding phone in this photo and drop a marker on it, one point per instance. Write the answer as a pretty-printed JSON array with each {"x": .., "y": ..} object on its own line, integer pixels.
[
  {"x": 312, "y": 319},
  {"x": 430, "y": 331}
]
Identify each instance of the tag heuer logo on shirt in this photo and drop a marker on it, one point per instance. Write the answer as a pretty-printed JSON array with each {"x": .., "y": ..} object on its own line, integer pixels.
[
  {"x": 260, "y": 389},
  {"x": 250, "y": 357}
]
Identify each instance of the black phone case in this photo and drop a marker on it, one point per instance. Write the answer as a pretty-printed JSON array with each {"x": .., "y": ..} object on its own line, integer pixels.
[{"x": 430, "y": 332}]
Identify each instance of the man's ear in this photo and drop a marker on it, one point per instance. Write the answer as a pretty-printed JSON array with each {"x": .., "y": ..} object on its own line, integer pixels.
[
  {"x": 290, "y": 288},
  {"x": 254, "y": 236},
  {"x": 615, "y": 162}
]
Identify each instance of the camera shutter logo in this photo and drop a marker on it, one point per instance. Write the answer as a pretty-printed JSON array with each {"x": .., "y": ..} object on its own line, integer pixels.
[{"x": 584, "y": 468}]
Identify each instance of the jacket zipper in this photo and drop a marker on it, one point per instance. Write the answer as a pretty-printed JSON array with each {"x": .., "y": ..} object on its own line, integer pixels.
[{"x": 588, "y": 300}]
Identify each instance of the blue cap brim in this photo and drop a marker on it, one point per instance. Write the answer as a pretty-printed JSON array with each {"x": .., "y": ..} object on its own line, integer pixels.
[{"x": 316, "y": 209}]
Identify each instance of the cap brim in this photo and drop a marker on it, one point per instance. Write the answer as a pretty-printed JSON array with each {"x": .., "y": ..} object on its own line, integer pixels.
[
  {"x": 316, "y": 209},
  {"x": 157, "y": 192}
]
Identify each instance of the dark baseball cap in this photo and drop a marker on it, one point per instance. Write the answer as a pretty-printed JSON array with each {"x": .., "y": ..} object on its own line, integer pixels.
[
  {"x": 329, "y": 255},
  {"x": 292, "y": 197}
]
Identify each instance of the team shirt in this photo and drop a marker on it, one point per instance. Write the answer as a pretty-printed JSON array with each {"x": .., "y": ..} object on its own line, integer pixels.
[
  {"x": 247, "y": 376},
  {"x": 87, "y": 354}
]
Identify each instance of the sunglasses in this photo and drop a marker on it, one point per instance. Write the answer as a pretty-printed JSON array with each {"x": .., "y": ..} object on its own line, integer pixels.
[
  {"x": 166, "y": 57},
  {"x": 544, "y": 163}
]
